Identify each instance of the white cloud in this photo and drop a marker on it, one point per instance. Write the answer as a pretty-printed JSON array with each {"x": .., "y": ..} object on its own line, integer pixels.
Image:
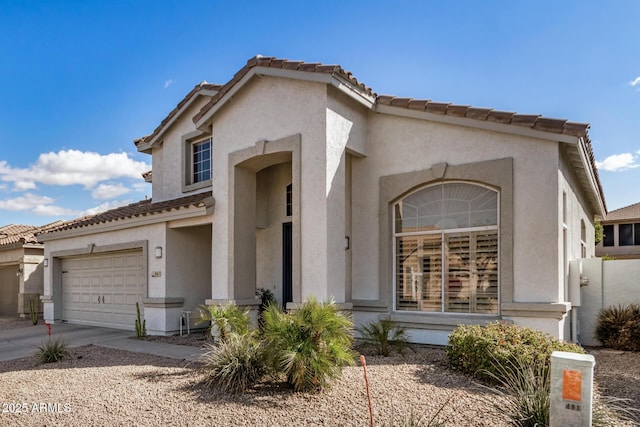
[
  {"x": 169, "y": 82},
  {"x": 105, "y": 207},
  {"x": 635, "y": 82},
  {"x": 73, "y": 167},
  {"x": 109, "y": 191},
  {"x": 620, "y": 162},
  {"x": 24, "y": 185},
  {"x": 39, "y": 205},
  {"x": 50, "y": 210}
]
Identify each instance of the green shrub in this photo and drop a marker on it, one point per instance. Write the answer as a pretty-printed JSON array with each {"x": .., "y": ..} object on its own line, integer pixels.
[
  {"x": 477, "y": 350},
  {"x": 228, "y": 318},
  {"x": 51, "y": 351},
  {"x": 34, "y": 309},
  {"x": 310, "y": 345},
  {"x": 141, "y": 327},
  {"x": 384, "y": 335},
  {"x": 234, "y": 364},
  {"x": 618, "y": 327}
]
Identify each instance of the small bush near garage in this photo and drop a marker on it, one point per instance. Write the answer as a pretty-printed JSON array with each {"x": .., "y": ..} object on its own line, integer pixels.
[
  {"x": 480, "y": 350},
  {"x": 618, "y": 327},
  {"x": 51, "y": 351}
]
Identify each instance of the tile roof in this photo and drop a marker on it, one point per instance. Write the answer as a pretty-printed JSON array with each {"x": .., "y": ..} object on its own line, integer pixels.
[
  {"x": 285, "y": 64},
  {"x": 203, "y": 85},
  {"x": 631, "y": 212},
  {"x": 15, "y": 233},
  {"x": 532, "y": 121},
  {"x": 139, "y": 209}
]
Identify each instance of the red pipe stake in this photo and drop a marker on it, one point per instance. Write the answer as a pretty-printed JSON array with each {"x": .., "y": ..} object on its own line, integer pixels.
[
  {"x": 48, "y": 328},
  {"x": 366, "y": 381}
]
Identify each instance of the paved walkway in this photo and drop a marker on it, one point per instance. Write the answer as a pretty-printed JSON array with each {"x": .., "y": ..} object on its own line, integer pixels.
[{"x": 21, "y": 342}]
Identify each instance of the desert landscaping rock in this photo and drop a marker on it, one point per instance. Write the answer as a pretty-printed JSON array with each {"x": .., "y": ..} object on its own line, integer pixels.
[{"x": 102, "y": 386}]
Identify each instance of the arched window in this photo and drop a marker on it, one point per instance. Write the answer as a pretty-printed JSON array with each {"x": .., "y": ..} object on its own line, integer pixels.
[{"x": 446, "y": 249}]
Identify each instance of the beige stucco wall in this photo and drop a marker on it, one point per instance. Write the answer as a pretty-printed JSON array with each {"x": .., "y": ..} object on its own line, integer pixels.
[
  {"x": 609, "y": 283},
  {"x": 271, "y": 183},
  {"x": 9, "y": 288},
  {"x": 29, "y": 284},
  {"x": 576, "y": 213},
  {"x": 398, "y": 145},
  {"x": 188, "y": 264},
  {"x": 270, "y": 109},
  {"x": 168, "y": 167}
]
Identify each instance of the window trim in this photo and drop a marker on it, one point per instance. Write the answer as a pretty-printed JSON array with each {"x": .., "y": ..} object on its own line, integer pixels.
[
  {"x": 443, "y": 233},
  {"x": 496, "y": 173},
  {"x": 189, "y": 141}
]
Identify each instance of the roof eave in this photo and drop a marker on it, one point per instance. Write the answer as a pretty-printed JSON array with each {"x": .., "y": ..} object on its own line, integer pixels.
[
  {"x": 474, "y": 123},
  {"x": 147, "y": 145},
  {"x": 591, "y": 180},
  {"x": 131, "y": 222}
]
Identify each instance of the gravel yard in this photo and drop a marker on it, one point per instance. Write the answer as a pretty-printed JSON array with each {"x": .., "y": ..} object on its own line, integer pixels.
[{"x": 100, "y": 386}]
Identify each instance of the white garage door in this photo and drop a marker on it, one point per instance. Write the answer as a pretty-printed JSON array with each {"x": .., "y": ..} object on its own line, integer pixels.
[{"x": 102, "y": 290}]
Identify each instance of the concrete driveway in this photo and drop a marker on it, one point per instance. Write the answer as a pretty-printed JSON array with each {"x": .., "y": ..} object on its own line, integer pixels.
[{"x": 21, "y": 342}]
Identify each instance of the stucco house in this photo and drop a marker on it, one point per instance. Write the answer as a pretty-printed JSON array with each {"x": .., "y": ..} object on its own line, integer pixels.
[
  {"x": 621, "y": 233},
  {"x": 297, "y": 177},
  {"x": 21, "y": 267}
]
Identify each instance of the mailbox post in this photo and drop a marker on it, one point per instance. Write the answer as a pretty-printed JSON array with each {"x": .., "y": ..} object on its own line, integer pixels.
[{"x": 571, "y": 389}]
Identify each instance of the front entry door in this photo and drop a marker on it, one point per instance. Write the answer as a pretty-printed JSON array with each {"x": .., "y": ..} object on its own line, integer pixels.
[{"x": 287, "y": 264}]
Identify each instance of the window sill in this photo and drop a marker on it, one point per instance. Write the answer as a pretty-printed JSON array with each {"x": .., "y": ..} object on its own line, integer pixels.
[
  {"x": 442, "y": 320},
  {"x": 197, "y": 186}
]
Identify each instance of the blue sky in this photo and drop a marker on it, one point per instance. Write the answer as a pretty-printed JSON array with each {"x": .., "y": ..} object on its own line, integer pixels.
[{"x": 80, "y": 80}]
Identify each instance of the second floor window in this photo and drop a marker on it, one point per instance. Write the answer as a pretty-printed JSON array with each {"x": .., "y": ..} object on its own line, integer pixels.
[{"x": 201, "y": 161}]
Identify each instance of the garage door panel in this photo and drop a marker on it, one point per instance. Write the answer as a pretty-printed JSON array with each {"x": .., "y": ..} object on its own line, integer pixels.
[{"x": 116, "y": 280}]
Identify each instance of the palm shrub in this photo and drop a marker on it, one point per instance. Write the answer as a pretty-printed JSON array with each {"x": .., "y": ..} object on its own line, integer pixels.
[
  {"x": 384, "y": 335},
  {"x": 310, "y": 345},
  {"x": 618, "y": 327},
  {"x": 51, "y": 351},
  {"x": 234, "y": 364},
  {"x": 227, "y": 318},
  {"x": 266, "y": 299},
  {"x": 478, "y": 350}
]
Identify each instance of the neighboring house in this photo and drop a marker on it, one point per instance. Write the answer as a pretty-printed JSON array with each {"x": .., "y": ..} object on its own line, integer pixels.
[
  {"x": 621, "y": 233},
  {"x": 434, "y": 213},
  {"x": 21, "y": 267}
]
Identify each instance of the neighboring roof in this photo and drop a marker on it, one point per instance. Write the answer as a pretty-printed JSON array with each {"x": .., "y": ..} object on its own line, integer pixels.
[
  {"x": 15, "y": 233},
  {"x": 199, "y": 89},
  {"x": 631, "y": 212},
  {"x": 283, "y": 64},
  {"x": 139, "y": 209}
]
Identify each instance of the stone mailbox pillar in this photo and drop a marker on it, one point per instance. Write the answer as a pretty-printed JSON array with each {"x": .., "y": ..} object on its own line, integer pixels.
[{"x": 571, "y": 389}]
